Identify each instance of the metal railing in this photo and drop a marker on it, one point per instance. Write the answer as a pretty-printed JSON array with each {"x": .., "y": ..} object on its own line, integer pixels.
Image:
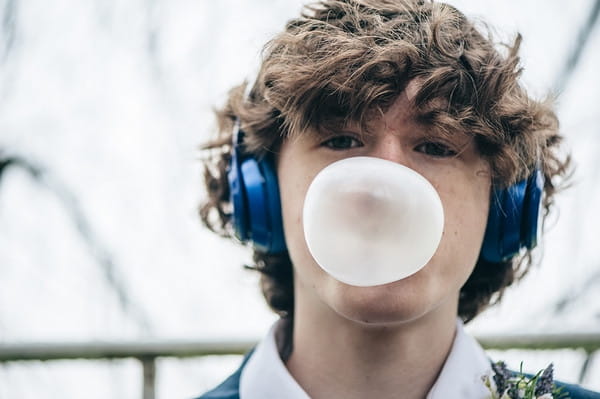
[{"x": 148, "y": 351}]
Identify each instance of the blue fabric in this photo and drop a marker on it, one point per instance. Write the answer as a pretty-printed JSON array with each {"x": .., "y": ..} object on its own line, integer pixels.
[
  {"x": 576, "y": 392},
  {"x": 230, "y": 388}
]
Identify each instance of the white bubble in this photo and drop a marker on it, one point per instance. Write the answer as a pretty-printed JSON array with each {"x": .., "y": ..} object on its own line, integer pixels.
[{"x": 368, "y": 221}]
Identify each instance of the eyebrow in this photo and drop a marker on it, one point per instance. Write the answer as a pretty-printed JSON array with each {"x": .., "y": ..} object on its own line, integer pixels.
[
  {"x": 433, "y": 107},
  {"x": 425, "y": 116},
  {"x": 332, "y": 126}
]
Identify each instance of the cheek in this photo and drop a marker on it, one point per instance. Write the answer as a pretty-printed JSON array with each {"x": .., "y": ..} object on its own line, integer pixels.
[
  {"x": 466, "y": 206},
  {"x": 294, "y": 180},
  {"x": 292, "y": 191}
]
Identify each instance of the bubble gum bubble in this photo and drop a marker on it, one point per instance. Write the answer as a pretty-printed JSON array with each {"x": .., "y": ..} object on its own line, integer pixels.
[{"x": 368, "y": 221}]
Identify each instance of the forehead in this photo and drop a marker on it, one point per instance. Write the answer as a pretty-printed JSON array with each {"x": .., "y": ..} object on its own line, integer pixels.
[{"x": 399, "y": 113}]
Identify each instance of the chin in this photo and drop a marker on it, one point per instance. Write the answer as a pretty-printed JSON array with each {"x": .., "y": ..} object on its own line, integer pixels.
[{"x": 391, "y": 304}]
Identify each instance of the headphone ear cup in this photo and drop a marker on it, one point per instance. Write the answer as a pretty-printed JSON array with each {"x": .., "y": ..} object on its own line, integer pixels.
[
  {"x": 274, "y": 219},
  {"x": 237, "y": 197},
  {"x": 258, "y": 218},
  {"x": 513, "y": 219},
  {"x": 256, "y": 209},
  {"x": 533, "y": 205}
]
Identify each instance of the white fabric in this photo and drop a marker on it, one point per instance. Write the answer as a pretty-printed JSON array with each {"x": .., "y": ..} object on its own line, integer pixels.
[
  {"x": 461, "y": 375},
  {"x": 266, "y": 377}
]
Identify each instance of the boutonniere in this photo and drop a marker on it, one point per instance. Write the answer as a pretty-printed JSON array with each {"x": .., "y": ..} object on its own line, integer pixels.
[{"x": 505, "y": 384}]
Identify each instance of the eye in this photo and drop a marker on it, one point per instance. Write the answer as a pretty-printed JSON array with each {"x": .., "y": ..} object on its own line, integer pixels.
[
  {"x": 342, "y": 143},
  {"x": 438, "y": 150}
]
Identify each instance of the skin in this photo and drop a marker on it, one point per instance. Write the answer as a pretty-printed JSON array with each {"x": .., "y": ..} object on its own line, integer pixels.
[{"x": 357, "y": 342}]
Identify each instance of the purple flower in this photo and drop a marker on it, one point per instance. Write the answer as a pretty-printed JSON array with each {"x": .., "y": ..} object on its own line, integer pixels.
[
  {"x": 513, "y": 391},
  {"x": 545, "y": 381},
  {"x": 501, "y": 377}
]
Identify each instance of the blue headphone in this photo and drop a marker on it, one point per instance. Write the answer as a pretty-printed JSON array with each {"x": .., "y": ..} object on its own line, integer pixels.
[
  {"x": 254, "y": 193},
  {"x": 513, "y": 219}
]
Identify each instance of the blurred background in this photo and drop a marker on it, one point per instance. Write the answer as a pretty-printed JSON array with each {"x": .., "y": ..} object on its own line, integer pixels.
[{"x": 103, "y": 104}]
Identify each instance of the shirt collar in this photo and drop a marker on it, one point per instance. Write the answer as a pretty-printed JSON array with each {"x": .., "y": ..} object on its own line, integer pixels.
[
  {"x": 265, "y": 374},
  {"x": 461, "y": 376}
]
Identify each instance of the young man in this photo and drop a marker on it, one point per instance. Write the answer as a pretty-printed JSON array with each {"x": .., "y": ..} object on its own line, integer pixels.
[{"x": 414, "y": 83}]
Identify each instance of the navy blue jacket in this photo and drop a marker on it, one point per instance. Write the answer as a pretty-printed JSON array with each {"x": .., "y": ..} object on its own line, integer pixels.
[{"x": 229, "y": 389}]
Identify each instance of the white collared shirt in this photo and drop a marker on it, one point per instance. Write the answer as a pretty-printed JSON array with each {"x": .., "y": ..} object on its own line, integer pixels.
[{"x": 266, "y": 377}]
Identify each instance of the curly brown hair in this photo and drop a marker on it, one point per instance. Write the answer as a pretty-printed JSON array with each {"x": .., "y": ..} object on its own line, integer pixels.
[{"x": 342, "y": 62}]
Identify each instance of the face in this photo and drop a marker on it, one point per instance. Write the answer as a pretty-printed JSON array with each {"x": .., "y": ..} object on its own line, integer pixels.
[{"x": 451, "y": 164}]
